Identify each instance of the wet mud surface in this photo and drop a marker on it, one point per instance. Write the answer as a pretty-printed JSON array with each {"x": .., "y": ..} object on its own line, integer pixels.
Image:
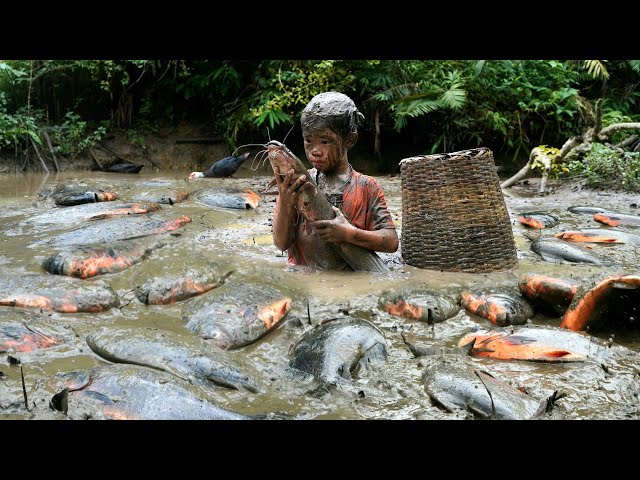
[{"x": 236, "y": 245}]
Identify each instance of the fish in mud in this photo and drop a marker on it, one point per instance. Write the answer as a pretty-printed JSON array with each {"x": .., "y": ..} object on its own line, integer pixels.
[
  {"x": 165, "y": 196},
  {"x": 419, "y": 304},
  {"x": 64, "y": 217},
  {"x": 537, "y": 344},
  {"x": 132, "y": 392},
  {"x": 614, "y": 219},
  {"x": 615, "y": 299},
  {"x": 237, "y": 314},
  {"x": 86, "y": 261},
  {"x": 454, "y": 385},
  {"x": 599, "y": 235},
  {"x": 553, "y": 249},
  {"x": 114, "y": 229},
  {"x": 24, "y": 337},
  {"x": 166, "y": 290},
  {"x": 501, "y": 309},
  {"x": 548, "y": 292},
  {"x": 314, "y": 205},
  {"x": 589, "y": 210},
  {"x": 171, "y": 353},
  {"x": 339, "y": 350},
  {"x": 136, "y": 208},
  {"x": 538, "y": 220},
  {"x": 228, "y": 198},
  {"x": 70, "y": 195},
  {"x": 60, "y": 294}
]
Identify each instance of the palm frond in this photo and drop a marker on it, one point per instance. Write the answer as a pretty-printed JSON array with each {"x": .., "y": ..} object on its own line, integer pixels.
[
  {"x": 479, "y": 66},
  {"x": 595, "y": 69},
  {"x": 635, "y": 65},
  {"x": 454, "y": 98},
  {"x": 416, "y": 108}
]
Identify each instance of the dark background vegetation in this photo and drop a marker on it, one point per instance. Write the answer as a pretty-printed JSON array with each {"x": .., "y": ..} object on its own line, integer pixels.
[{"x": 411, "y": 106}]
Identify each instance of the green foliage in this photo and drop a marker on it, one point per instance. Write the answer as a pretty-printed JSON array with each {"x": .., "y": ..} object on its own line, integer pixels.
[
  {"x": 607, "y": 167},
  {"x": 557, "y": 167},
  {"x": 507, "y": 105},
  {"x": 74, "y": 135},
  {"x": 19, "y": 127}
]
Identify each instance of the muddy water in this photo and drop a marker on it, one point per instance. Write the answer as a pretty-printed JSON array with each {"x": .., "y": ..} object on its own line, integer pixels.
[{"x": 241, "y": 240}]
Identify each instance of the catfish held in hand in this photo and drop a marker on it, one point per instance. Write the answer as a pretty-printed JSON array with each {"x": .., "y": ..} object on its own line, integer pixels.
[{"x": 313, "y": 205}]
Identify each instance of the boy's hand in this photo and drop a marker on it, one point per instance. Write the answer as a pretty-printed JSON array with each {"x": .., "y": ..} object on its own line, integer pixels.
[
  {"x": 337, "y": 230},
  {"x": 289, "y": 189}
]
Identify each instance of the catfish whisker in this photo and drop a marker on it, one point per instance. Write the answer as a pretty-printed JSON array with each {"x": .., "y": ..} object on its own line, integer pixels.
[{"x": 285, "y": 137}]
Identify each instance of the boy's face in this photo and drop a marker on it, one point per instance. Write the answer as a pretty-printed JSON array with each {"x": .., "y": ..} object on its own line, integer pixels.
[{"x": 325, "y": 149}]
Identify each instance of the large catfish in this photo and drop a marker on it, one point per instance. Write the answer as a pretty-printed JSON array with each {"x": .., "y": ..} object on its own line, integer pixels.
[{"x": 314, "y": 205}]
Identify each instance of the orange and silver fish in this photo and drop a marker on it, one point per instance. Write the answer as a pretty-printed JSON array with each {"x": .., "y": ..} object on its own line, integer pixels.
[
  {"x": 536, "y": 344},
  {"x": 86, "y": 261},
  {"x": 551, "y": 291},
  {"x": 585, "y": 310},
  {"x": 538, "y": 220},
  {"x": 614, "y": 219},
  {"x": 499, "y": 308}
]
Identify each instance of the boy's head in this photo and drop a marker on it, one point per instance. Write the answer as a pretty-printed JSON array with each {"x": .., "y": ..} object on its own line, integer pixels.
[{"x": 332, "y": 110}]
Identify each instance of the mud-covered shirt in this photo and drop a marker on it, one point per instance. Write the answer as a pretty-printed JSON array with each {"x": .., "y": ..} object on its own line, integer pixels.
[{"x": 363, "y": 204}]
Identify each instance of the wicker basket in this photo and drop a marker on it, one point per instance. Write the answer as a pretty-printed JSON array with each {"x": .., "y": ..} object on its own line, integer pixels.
[{"x": 453, "y": 213}]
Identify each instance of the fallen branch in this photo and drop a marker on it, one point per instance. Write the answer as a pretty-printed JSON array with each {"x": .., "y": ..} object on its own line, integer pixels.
[
  {"x": 627, "y": 142},
  {"x": 104, "y": 147},
  {"x": 53, "y": 155},
  {"x": 44, "y": 165},
  {"x": 611, "y": 129},
  {"x": 95, "y": 159}
]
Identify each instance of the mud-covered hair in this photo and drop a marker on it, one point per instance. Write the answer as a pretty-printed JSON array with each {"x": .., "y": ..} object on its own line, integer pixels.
[{"x": 332, "y": 110}]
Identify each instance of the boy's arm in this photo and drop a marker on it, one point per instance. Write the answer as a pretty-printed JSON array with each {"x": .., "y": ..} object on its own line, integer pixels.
[
  {"x": 285, "y": 212},
  {"x": 340, "y": 230}
]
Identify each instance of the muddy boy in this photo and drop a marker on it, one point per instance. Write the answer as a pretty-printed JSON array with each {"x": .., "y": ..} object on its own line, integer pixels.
[{"x": 330, "y": 124}]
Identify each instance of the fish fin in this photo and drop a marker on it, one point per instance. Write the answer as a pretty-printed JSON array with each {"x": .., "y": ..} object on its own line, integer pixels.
[{"x": 467, "y": 348}]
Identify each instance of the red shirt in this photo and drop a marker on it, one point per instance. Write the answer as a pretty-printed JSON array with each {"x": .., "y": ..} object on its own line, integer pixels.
[{"x": 363, "y": 204}]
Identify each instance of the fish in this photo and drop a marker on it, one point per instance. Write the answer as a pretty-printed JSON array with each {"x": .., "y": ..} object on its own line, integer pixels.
[
  {"x": 229, "y": 198},
  {"x": 419, "y": 304},
  {"x": 168, "y": 352},
  {"x": 164, "y": 291},
  {"x": 237, "y": 314},
  {"x": 538, "y": 220},
  {"x": 53, "y": 293},
  {"x": 590, "y": 305},
  {"x": 614, "y": 219},
  {"x": 69, "y": 195},
  {"x": 86, "y": 261},
  {"x": 21, "y": 337},
  {"x": 537, "y": 344},
  {"x": 339, "y": 350},
  {"x": 166, "y": 196},
  {"x": 588, "y": 209},
  {"x": 499, "y": 308},
  {"x": 554, "y": 249},
  {"x": 127, "y": 209},
  {"x": 556, "y": 293},
  {"x": 113, "y": 229},
  {"x": 454, "y": 385},
  {"x": 132, "y": 392},
  {"x": 314, "y": 205}
]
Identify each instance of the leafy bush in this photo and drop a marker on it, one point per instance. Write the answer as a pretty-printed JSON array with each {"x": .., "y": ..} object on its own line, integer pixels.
[{"x": 606, "y": 167}]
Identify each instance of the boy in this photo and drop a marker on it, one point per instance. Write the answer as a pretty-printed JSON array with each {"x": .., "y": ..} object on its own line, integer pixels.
[{"x": 329, "y": 129}]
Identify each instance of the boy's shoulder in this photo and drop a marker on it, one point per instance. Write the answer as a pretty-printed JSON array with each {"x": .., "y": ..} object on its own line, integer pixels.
[{"x": 364, "y": 179}]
